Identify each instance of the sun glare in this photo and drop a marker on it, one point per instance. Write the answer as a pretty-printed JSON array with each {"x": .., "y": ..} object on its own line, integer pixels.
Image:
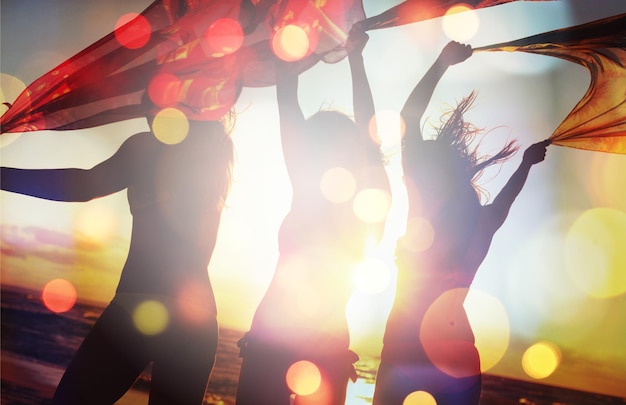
[
  {"x": 372, "y": 275},
  {"x": 371, "y": 205},
  {"x": 97, "y": 222}
]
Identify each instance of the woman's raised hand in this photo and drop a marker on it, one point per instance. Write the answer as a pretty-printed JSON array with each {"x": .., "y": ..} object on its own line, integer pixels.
[{"x": 455, "y": 52}]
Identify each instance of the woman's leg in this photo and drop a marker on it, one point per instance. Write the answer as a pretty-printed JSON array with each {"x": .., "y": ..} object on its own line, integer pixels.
[
  {"x": 184, "y": 358},
  {"x": 106, "y": 364}
]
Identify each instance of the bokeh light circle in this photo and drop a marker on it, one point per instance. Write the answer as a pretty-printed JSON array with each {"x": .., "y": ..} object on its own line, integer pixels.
[
  {"x": 371, "y": 205},
  {"x": 490, "y": 325},
  {"x": 59, "y": 295},
  {"x": 133, "y": 35},
  {"x": 170, "y": 126},
  {"x": 150, "y": 317},
  {"x": 541, "y": 360},
  {"x": 164, "y": 89},
  {"x": 303, "y": 378},
  {"x": 446, "y": 336},
  {"x": 419, "y": 398},
  {"x": 594, "y": 252},
  {"x": 460, "y": 23},
  {"x": 338, "y": 185},
  {"x": 372, "y": 275},
  {"x": 224, "y": 37},
  {"x": 290, "y": 43}
]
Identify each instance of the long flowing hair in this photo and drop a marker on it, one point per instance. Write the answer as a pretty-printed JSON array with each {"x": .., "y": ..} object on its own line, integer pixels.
[{"x": 458, "y": 136}]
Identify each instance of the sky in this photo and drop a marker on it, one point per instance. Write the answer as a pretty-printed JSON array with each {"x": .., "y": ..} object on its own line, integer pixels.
[{"x": 554, "y": 278}]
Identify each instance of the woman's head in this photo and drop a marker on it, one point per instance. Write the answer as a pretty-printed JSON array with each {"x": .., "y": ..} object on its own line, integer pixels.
[
  {"x": 449, "y": 165},
  {"x": 332, "y": 139}
]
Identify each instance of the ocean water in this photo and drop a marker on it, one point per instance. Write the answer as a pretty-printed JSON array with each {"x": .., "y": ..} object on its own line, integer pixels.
[{"x": 37, "y": 345}]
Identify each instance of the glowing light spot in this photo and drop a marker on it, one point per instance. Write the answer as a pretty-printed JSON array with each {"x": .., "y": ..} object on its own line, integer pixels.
[
  {"x": 338, "y": 185},
  {"x": 290, "y": 43},
  {"x": 541, "y": 359},
  {"x": 419, "y": 398},
  {"x": 59, "y": 295},
  {"x": 595, "y": 257},
  {"x": 192, "y": 303},
  {"x": 445, "y": 338},
  {"x": 460, "y": 23},
  {"x": 490, "y": 324},
  {"x": 97, "y": 222},
  {"x": 170, "y": 126},
  {"x": 303, "y": 378},
  {"x": 132, "y": 30},
  {"x": 419, "y": 234},
  {"x": 387, "y": 128},
  {"x": 371, "y": 205},
  {"x": 164, "y": 89},
  {"x": 151, "y": 317},
  {"x": 224, "y": 37},
  {"x": 372, "y": 275}
]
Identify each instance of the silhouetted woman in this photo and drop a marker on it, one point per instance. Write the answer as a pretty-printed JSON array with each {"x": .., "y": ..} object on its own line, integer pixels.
[
  {"x": 428, "y": 341},
  {"x": 302, "y": 316},
  {"x": 175, "y": 193}
]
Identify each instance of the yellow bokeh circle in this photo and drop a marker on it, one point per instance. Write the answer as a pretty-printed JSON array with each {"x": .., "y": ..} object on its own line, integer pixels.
[
  {"x": 541, "y": 360},
  {"x": 170, "y": 126},
  {"x": 151, "y": 317}
]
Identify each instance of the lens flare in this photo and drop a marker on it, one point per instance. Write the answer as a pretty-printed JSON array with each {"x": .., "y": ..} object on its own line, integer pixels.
[
  {"x": 303, "y": 378},
  {"x": 594, "y": 252},
  {"x": 490, "y": 324},
  {"x": 371, "y": 205},
  {"x": 151, "y": 317},
  {"x": 372, "y": 275},
  {"x": 541, "y": 360},
  {"x": 170, "y": 126},
  {"x": 59, "y": 295},
  {"x": 223, "y": 37},
  {"x": 290, "y": 43},
  {"x": 97, "y": 222},
  {"x": 338, "y": 185},
  {"x": 419, "y": 398},
  {"x": 460, "y": 23},
  {"x": 132, "y": 30}
]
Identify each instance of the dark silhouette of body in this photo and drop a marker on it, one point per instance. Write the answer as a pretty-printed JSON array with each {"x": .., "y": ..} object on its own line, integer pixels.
[
  {"x": 302, "y": 315},
  {"x": 175, "y": 194},
  {"x": 428, "y": 341}
]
